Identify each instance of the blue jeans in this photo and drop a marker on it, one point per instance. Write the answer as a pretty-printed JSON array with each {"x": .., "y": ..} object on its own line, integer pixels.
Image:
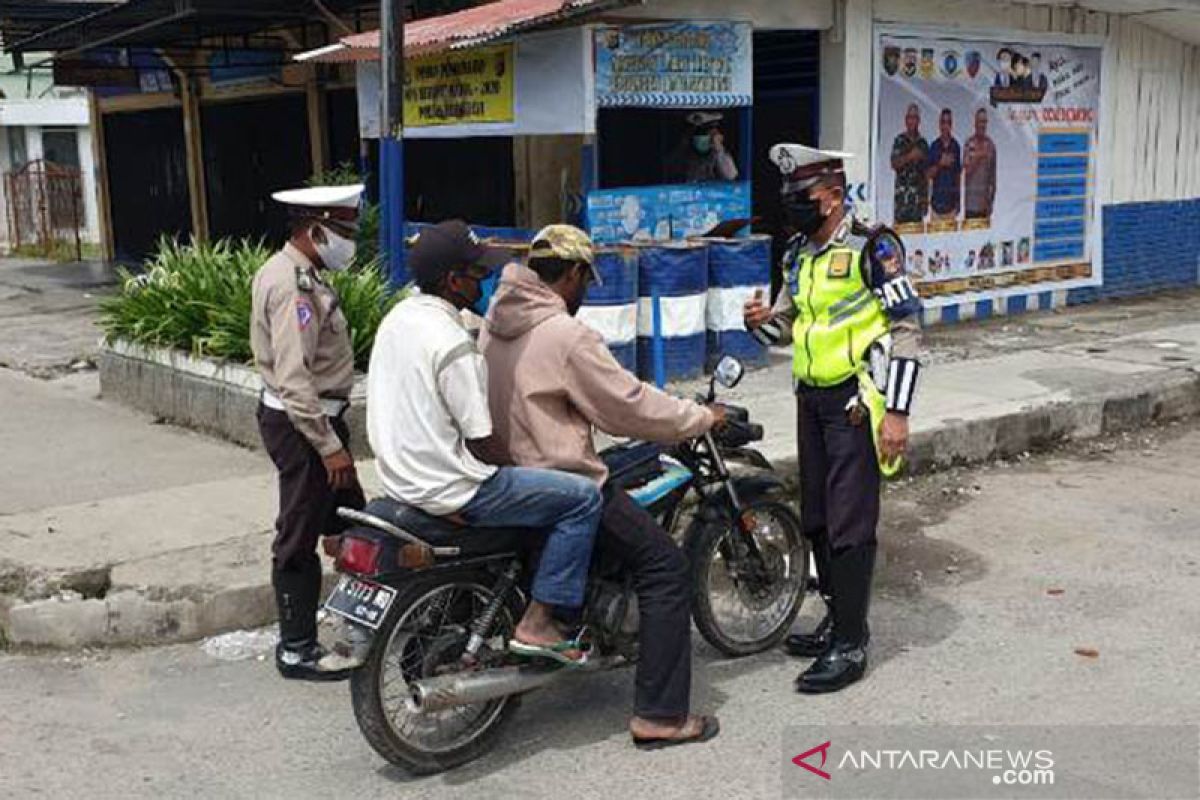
[{"x": 566, "y": 506}]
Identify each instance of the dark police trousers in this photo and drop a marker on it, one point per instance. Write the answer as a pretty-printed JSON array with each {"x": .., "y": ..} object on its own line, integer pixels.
[
  {"x": 660, "y": 579},
  {"x": 307, "y": 510},
  {"x": 839, "y": 498}
]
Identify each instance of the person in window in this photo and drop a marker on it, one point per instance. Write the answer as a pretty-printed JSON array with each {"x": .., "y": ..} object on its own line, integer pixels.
[{"x": 702, "y": 156}]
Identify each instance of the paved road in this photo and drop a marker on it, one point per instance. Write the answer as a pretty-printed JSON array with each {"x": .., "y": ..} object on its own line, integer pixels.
[{"x": 965, "y": 627}]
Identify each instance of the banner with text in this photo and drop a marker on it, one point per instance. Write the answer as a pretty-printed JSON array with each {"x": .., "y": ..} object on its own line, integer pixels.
[
  {"x": 675, "y": 65},
  {"x": 985, "y": 163},
  {"x": 458, "y": 88},
  {"x": 659, "y": 213}
]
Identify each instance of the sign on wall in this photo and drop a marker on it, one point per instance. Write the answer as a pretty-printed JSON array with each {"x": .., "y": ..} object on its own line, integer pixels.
[
  {"x": 985, "y": 161},
  {"x": 674, "y": 65},
  {"x": 660, "y": 213},
  {"x": 473, "y": 86}
]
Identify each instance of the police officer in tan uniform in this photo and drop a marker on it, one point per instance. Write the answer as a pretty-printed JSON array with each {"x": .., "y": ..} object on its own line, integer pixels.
[{"x": 302, "y": 348}]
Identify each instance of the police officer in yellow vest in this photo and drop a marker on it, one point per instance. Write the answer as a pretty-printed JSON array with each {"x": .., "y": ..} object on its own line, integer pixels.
[{"x": 853, "y": 319}]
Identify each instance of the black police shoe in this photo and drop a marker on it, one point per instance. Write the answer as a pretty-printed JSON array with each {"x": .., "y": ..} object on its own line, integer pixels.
[
  {"x": 838, "y": 667},
  {"x": 311, "y": 662},
  {"x": 810, "y": 645}
]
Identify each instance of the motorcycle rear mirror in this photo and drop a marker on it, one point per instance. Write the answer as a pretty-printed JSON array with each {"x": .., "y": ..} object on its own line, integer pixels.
[{"x": 729, "y": 372}]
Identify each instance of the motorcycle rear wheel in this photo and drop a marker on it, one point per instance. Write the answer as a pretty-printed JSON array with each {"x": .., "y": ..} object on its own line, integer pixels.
[
  {"x": 425, "y": 633},
  {"x": 742, "y": 606}
]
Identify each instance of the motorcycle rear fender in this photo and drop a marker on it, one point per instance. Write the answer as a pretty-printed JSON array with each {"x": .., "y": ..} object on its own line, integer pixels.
[{"x": 395, "y": 577}]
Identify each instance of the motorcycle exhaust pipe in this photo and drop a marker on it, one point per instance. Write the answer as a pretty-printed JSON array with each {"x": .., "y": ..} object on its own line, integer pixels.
[{"x": 450, "y": 691}]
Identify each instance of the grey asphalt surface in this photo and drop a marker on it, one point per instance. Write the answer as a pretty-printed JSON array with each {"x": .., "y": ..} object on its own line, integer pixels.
[{"x": 966, "y": 629}]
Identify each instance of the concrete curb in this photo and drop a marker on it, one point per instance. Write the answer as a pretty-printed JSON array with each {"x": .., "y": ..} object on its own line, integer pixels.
[
  {"x": 141, "y": 616},
  {"x": 1170, "y": 396},
  {"x": 218, "y": 398}
]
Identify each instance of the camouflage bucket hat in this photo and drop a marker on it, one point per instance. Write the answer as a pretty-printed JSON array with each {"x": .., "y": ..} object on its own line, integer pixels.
[{"x": 566, "y": 242}]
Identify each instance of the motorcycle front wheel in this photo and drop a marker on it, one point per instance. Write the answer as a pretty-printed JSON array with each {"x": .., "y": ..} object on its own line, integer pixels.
[
  {"x": 745, "y": 599},
  {"x": 424, "y": 636}
]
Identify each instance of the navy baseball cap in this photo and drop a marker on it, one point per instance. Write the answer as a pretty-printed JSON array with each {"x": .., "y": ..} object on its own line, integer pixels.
[{"x": 450, "y": 246}]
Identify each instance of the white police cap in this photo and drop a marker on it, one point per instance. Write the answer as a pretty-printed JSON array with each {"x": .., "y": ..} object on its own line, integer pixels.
[
  {"x": 800, "y": 161},
  {"x": 322, "y": 196}
]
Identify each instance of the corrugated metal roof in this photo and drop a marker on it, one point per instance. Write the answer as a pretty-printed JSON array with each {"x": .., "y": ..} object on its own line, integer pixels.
[{"x": 467, "y": 28}]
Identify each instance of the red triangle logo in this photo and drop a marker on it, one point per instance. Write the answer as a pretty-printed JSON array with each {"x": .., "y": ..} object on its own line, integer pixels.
[{"x": 823, "y": 749}]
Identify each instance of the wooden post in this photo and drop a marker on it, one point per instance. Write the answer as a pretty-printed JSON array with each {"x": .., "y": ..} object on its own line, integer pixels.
[
  {"x": 194, "y": 145},
  {"x": 318, "y": 133},
  {"x": 100, "y": 167}
]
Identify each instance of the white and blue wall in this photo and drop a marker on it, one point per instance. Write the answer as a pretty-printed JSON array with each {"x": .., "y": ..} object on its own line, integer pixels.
[{"x": 1150, "y": 136}]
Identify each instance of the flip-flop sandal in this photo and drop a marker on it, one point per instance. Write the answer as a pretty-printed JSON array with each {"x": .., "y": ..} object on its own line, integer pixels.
[
  {"x": 709, "y": 729},
  {"x": 554, "y": 652}
]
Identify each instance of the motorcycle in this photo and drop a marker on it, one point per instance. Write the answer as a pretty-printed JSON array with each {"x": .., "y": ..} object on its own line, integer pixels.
[{"x": 430, "y": 605}]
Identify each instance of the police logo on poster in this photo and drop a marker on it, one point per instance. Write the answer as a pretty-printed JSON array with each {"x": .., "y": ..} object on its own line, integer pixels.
[{"x": 985, "y": 157}]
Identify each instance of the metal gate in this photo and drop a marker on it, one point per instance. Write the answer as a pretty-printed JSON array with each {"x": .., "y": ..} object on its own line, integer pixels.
[{"x": 45, "y": 207}]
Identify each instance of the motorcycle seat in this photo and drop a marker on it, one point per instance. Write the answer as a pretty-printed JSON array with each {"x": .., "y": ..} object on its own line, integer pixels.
[
  {"x": 442, "y": 532},
  {"x": 632, "y": 464}
]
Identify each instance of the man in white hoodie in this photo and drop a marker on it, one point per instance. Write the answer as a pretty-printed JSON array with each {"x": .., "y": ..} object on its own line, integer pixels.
[{"x": 551, "y": 379}]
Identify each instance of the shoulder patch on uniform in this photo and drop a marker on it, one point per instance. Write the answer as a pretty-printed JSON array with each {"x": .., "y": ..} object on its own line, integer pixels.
[
  {"x": 888, "y": 253},
  {"x": 839, "y": 264},
  {"x": 304, "y": 312}
]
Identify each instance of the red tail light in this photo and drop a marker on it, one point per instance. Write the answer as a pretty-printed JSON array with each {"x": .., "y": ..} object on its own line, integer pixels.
[{"x": 358, "y": 555}]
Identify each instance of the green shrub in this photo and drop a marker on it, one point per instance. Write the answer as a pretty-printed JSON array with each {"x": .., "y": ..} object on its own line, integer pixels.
[{"x": 197, "y": 296}]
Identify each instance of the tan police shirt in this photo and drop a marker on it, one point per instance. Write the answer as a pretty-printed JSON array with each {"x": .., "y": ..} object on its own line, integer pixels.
[{"x": 301, "y": 343}]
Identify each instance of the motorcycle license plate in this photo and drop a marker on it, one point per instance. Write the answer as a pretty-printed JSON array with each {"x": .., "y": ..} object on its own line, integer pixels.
[{"x": 360, "y": 601}]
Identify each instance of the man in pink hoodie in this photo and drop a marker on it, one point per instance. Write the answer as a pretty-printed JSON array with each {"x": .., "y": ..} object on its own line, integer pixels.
[{"x": 551, "y": 380}]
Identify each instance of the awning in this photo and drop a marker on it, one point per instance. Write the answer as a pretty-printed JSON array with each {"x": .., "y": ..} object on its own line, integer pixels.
[
  {"x": 463, "y": 29},
  {"x": 24, "y": 18},
  {"x": 72, "y": 26}
]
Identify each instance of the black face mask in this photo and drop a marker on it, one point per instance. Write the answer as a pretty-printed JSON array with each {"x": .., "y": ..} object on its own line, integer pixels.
[{"x": 803, "y": 213}]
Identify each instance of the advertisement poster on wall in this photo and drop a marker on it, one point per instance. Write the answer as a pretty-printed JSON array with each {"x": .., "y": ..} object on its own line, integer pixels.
[
  {"x": 985, "y": 162},
  {"x": 660, "y": 213}
]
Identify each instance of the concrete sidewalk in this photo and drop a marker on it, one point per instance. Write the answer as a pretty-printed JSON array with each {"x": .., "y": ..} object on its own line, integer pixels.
[{"x": 114, "y": 530}]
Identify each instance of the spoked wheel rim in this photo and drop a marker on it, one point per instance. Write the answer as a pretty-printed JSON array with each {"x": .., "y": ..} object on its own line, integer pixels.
[
  {"x": 425, "y": 642},
  {"x": 749, "y": 601}
]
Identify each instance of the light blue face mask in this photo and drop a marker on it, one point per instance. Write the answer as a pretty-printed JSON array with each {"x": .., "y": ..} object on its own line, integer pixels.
[
  {"x": 487, "y": 291},
  {"x": 702, "y": 142}
]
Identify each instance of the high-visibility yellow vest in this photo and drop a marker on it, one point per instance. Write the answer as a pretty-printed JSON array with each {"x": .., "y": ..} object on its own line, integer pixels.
[{"x": 838, "y": 317}]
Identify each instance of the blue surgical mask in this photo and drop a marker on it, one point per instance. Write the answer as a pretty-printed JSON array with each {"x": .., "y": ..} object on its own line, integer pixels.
[
  {"x": 487, "y": 291},
  {"x": 703, "y": 143}
]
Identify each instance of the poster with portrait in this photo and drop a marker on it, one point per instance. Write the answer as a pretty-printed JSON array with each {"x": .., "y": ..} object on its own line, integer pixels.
[{"x": 985, "y": 162}]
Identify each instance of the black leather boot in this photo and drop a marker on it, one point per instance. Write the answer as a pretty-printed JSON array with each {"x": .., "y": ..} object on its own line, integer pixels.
[
  {"x": 845, "y": 660},
  {"x": 811, "y": 645},
  {"x": 299, "y": 656}
]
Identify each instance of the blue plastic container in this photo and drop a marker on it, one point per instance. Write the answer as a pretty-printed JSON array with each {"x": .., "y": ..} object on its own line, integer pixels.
[
  {"x": 673, "y": 276},
  {"x": 611, "y": 308},
  {"x": 736, "y": 267}
]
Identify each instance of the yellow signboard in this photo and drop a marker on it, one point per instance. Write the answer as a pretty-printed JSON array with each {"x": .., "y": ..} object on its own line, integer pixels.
[{"x": 460, "y": 88}]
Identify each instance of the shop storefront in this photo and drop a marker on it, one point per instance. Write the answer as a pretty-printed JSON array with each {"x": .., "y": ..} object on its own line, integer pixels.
[{"x": 1031, "y": 155}]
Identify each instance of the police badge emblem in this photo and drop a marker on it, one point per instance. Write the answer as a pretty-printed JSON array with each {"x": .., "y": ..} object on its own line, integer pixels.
[{"x": 839, "y": 265}]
